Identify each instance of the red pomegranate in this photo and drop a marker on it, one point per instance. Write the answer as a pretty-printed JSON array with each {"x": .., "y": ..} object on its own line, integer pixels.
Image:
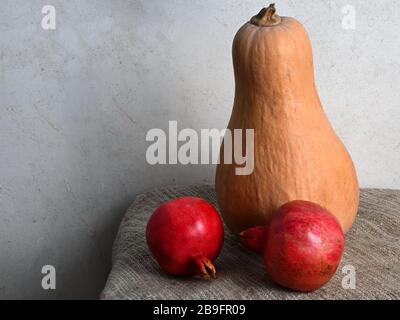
[
  {"x": 185, "y": 236},
  {"x": 254, "y": 238},
  {"x": 302, "y": 246}
]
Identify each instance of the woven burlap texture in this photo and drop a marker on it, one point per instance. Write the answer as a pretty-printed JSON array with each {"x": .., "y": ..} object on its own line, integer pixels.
[{"x": 372, "y": 248}]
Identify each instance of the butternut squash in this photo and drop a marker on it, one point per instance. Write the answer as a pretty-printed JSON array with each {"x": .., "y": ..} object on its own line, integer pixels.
[{"x": 298, "y": 156}]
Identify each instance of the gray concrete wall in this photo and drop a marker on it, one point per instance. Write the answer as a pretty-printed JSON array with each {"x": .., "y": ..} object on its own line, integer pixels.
[{"x": 76, "y": 103}]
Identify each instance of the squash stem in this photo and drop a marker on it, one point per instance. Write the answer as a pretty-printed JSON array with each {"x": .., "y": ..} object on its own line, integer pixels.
[{"x": 267, "y": 17}]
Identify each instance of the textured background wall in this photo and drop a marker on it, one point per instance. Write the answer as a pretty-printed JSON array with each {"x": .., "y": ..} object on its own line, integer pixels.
[{"x": 76, "y": 103}]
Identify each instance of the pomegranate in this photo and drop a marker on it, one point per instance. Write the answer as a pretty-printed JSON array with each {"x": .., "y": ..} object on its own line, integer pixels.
[
  {"x": 302, "y": 246},
  {"x": 254, "y": 238},
  {"x": 185, "y": 236}
]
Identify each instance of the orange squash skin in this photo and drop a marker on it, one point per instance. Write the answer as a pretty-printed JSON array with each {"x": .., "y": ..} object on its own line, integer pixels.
[{"x": 297, "y": 154}]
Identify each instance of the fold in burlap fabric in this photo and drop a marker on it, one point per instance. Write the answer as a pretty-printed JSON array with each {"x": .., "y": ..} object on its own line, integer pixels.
[{"x": 372, "y": 248}]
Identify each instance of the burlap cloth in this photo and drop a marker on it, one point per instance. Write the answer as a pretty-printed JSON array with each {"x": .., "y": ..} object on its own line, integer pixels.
[{"x": 372, "y": 247}]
